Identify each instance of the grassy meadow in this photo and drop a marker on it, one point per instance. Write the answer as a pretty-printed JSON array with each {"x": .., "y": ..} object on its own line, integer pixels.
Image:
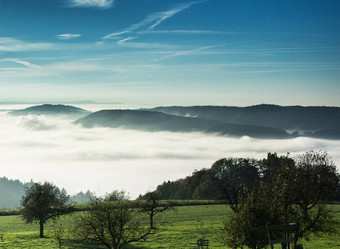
[{"x": 186, "y": 225}]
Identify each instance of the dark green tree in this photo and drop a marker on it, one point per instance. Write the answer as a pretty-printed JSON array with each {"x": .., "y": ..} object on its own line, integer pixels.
[
  {"x": 42, "y": 202},
  {"x": 290, "y": 191},
  {"x": 247, "y": 226},
  {"x": 316, "y": 183},
  {"x": 235, "y": 175}
]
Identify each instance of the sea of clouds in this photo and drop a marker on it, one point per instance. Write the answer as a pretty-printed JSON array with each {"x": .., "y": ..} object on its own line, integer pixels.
[{"x": 54, "y": 149}]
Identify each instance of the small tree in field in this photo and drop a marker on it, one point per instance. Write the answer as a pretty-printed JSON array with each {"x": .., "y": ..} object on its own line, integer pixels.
[
  {"x": 114, "y": 225},
  {"x": 42, "y": 202},
  {"x": 152, "y": 207}
]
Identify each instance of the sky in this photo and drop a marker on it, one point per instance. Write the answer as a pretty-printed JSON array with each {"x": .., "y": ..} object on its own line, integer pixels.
[{"x": 171, "y": 52}]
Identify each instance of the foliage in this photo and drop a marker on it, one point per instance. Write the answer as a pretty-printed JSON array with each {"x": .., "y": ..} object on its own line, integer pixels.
[
  {"x": 289, "y": 191},
  {"x": 11, "y": 192},
  {"x": 201, "y": 185},
  {"x": 42, "y": 202},
  {"x": 116, "y": 196},
  {"x": 247, "y": 227},
  {"x": 235, "y": 175},
  {"x": 316, "y": 183},
  {"x": 58, "y": 232},
  {"x": 114, "y": 225}
]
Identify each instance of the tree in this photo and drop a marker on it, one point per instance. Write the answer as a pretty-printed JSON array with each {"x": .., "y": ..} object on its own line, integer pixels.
[
  {"x": 235, "y": 176},
  {"x": 42, "y": 202},
  {"x": 317, "y": 182},
  {"x": 112, "y": 224},
  {"x": 247, "y": 226},
  {"x": 289, "y": 191},
  {"x": 152, "y": 207},
  {"x": 116, "y": 195}
]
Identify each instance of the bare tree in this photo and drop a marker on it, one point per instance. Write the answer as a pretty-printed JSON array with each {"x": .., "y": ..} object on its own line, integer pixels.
[
  {"x": 114, "y": 225},
  {"x": 152, "y": 207}
]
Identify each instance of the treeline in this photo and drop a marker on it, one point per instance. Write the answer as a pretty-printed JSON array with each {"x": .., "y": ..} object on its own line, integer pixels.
[
  {"x": 224, "y": 177},
  {"x": 11, "y": 192}
]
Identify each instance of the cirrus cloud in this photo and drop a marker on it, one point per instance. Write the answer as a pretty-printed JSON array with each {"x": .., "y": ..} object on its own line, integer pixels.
[
  {"x": 68, "y": 36},
  {"x": 102, "y": 4},
  {"x": 9, "y": 44}
]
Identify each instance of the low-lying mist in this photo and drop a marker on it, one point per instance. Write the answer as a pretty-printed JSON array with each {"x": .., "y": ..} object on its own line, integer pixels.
[{"x": 53, "y": 149}]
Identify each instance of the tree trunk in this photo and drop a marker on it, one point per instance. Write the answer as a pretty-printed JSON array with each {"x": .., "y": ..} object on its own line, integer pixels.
[
  {"x": 41, "y": 223},
  {"x": 151, "y": 220}
]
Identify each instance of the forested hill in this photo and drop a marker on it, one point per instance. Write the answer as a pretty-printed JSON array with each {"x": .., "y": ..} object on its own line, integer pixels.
[
  {"x": 260, "y": 121},
  {"x": 11, "y": 192},
  {"x": 310, "y": 121},
  {"x": 228, "y": 177},
  {"x": 48, "y": 109},
  {"x": 157, "y": 121}
]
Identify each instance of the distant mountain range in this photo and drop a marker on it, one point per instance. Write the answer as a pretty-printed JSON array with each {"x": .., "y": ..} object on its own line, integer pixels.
[
  {"x": 323, "y": 122},
  {"x": 260, "y": 121},
  {"x": 157, "y": 121}
]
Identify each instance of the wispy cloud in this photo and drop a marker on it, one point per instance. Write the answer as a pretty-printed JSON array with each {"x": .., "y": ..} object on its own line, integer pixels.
[
  {"x": 68, "y": 36},
  {"x": 8, "y": 44},
  {"x": 187, "y": 52},
  {"x": 102, "y": 4},
  {"x": 152, "y": 21},
  {"x": 188, "y": 32},
  {"x": 122, "y": 41},
  {"x": 21, "y": 62}
]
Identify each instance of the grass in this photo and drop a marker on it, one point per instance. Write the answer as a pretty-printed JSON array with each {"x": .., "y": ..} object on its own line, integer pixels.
[{"x": 187, "y": 224}]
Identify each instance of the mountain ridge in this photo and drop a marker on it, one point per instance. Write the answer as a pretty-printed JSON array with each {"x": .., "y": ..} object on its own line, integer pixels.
[
  {"x": 258, "y": 121},
  {"x": 315, "y": 120},
  {"x": 157, "y": 121},
  {"x": 52, "y": 109}
]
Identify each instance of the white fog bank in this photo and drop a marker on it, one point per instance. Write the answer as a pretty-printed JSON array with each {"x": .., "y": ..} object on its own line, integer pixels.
[{"x": 103, "y": 159}]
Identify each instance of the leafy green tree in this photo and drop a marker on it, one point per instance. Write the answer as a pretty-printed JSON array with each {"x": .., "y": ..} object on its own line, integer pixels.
[
  {"x": 42, "y": 202},
  {"x": 235, "y": 175},
  {"x": 208, "y": 189},
  {"x": 316, "y": 183},
  {"x": 116, "y": 196},
  {"x": 274, "y": 165},
  {"x": 289, "y": 191},
  {"x": 247, "y": 226}
]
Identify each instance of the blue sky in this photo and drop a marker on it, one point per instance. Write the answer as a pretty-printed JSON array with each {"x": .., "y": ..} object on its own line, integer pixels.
[{"x": 171, "y": 52}]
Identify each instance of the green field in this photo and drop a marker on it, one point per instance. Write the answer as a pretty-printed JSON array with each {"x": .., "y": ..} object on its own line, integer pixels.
[{"x": 187, "y": 224}]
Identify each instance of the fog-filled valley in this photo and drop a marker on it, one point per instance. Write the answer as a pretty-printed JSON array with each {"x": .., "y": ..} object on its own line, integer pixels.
[{"x": 53, "y": 148}]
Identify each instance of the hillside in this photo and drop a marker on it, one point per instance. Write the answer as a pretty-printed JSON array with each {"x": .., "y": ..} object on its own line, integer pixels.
[
  {"x": 48, "y": 109},
  {"x": 157, "y": 121},
  {"x": 321, "y": 121},
  {"x": 11, "y": 192}
]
